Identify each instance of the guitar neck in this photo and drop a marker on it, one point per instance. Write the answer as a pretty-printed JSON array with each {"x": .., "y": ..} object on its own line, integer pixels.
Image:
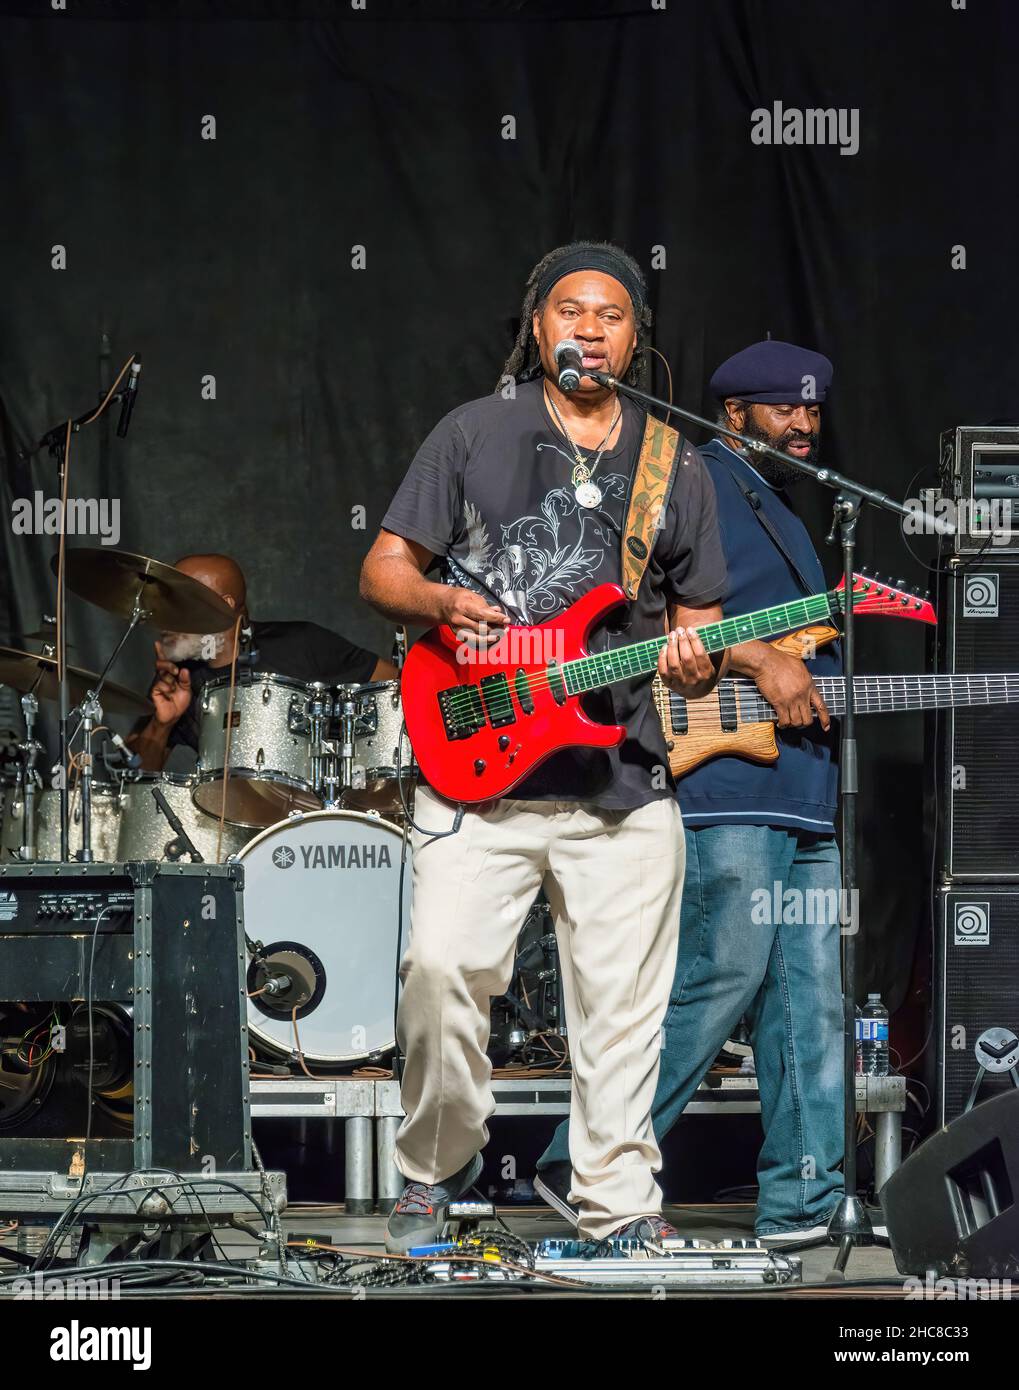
[
  {"x": 641, "y": 658},
  {"x": 871, "y": 695}
]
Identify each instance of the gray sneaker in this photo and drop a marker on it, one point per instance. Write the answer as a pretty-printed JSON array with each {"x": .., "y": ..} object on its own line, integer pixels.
[
  {"x": 652, "y": 1230},
  {"x": 420, "y": 1211}
]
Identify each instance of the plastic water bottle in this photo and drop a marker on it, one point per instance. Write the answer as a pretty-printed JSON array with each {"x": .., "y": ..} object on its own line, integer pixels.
[{"x": 874, "y": 1041}]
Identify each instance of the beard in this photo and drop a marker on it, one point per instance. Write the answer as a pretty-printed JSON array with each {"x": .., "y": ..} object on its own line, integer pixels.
[
  {"x": 780, "y": 475},
  {"x": 191, "y": 646}
]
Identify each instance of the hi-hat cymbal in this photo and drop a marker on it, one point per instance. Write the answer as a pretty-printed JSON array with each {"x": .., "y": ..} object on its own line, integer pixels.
[
  {"x": 173, "y": 602},
  {"x": 26, "y": 671}
]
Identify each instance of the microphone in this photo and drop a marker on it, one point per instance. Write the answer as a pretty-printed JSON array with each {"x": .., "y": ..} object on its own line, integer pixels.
[
  {"x": 569, "y": 359},
  {"x": 128, "y": 399},
  {"x": 133, "y": 759}
]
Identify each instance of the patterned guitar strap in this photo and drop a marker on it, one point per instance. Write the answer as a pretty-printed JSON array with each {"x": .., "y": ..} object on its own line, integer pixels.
[{"x": 661, "y": 449}]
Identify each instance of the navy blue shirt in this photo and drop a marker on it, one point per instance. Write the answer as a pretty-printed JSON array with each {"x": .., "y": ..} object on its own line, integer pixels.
[{"x": 799, "y": 790}]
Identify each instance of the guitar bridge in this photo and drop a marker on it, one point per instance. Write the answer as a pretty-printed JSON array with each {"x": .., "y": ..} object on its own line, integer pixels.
[{"x": 462, "y": 711}]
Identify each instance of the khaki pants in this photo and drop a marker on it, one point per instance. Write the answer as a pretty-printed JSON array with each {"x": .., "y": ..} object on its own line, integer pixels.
[{"x": 614, "y": 881}]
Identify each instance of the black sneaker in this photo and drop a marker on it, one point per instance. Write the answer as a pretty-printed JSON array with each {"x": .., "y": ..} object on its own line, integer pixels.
[
  {"x": 552, "y": 1185},
  {"x": 420, "y": 1211},
  {"x": 652, "y": 1230}
]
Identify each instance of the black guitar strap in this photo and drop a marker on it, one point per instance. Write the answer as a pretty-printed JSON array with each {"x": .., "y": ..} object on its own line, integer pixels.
[{"x": 754, "y": 502}]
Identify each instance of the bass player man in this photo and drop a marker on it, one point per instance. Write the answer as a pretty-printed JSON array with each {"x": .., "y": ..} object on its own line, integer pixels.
[{"x": 750, "y": 827}]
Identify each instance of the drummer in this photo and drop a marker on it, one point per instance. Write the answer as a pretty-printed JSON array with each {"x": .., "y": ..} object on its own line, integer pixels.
[{"x": 185, "y": 661}]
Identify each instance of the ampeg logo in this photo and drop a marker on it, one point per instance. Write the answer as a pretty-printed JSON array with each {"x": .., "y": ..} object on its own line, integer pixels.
[
  {"x": 284, "y": 857},
  {"x": 972, "y": 924},
  {"x": 980, "y": 596},
  {"x": 8, "y": 907}
]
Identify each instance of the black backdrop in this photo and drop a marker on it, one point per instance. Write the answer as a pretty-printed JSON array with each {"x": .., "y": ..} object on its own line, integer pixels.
[{"x": 382, "y": 127}]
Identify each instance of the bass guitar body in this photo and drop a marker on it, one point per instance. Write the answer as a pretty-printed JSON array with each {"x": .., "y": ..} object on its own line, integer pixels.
[{"x": 706, "y": 736}]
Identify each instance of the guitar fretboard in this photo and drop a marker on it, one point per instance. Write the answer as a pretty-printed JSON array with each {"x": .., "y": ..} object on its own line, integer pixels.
[
  {"x": 591, "y": 672},
  {"x": 872, "y": 695}
]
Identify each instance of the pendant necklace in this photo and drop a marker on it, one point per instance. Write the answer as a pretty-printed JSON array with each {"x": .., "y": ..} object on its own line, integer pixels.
[{"x": 587, "y": 493}]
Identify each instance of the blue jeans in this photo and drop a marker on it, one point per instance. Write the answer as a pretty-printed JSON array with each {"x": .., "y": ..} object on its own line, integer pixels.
[{"x": 741, "y": 952}]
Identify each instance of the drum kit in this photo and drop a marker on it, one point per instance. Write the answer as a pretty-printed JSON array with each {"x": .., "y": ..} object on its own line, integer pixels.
[{"x": 308, "y": 786}]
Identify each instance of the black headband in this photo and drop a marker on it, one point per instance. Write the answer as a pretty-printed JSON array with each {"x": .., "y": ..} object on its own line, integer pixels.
[{"x": 601, "y": 258}]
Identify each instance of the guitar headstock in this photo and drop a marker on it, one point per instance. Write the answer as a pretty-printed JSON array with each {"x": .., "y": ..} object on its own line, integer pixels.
[{"x": 872, "y": 594}]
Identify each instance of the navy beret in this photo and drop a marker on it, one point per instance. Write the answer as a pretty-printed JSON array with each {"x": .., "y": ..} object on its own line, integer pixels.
[{"x": 773, "y": 372}]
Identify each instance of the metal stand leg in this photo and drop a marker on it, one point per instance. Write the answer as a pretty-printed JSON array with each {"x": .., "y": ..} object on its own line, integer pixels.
[
  {"x": 358, "y": 1188},
  {"x": 390, "y": 1179},
  {"x": 887, "y": 1145}
]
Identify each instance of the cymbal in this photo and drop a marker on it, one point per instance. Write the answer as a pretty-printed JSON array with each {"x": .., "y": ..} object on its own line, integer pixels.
[
  {"x": 114, "y": 579},
  {"x": 21, "y": 671},
  {"x": 47, "y": 634}
]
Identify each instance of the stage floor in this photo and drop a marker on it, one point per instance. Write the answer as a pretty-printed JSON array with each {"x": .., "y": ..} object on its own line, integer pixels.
[{"x": 872, "y": 1272}]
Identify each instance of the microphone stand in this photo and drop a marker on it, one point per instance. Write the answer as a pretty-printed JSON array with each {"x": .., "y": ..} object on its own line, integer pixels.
[
  {"x": 55, "y": 441},
  {"x": 850, "y": 1225}
]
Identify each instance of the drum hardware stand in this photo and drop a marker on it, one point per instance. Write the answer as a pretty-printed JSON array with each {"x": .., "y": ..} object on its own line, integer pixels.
[
  {"x": 320, "y": 710},
  {"x": 850, "y": 1224},
  {"x": 29, "y": 750},
  {"x": 347, "y": 709},
  {"x": 91, "y": 712}
]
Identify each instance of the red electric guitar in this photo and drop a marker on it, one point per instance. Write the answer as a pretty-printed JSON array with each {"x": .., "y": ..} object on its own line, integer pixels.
[{"x": 480, "y": 721}]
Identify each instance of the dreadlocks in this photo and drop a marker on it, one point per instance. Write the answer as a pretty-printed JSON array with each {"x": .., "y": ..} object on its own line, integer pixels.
[{"x": 524, "y": 363}]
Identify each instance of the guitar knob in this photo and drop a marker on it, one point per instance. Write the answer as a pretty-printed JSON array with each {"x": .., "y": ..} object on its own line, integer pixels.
[
  {"x": 503, "y": 742},
  {"x": 479, "y": 765}
]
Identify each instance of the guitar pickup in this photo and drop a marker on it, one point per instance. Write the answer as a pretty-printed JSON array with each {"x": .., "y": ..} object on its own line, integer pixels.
[
  {"x": 728, "y": 711},
  {"x": 678, "y": 714},
  {"x": 556, "y": 683},
  {"x": 462, "y": 711},
  {"x": 524, "y": 697},
  {"x": 498, "y": 703}
]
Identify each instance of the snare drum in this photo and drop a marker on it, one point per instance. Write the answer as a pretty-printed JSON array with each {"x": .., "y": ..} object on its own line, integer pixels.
[
  {"x": 145, "y": 833},
  {"x": 269, "y": 766},
  {"x": 378, "y": 735},
  {"x": 105, "y": 824}
]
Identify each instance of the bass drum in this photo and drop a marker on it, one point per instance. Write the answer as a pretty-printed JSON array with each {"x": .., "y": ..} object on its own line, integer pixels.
[
  {"x": 145, "y": 833},
  {"x": 322, "y": 895}
]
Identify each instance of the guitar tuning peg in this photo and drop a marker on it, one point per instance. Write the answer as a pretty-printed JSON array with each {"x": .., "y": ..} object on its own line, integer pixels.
[
  {"x": 900, "y": 583},
  {"x": 863, "y": 569}
]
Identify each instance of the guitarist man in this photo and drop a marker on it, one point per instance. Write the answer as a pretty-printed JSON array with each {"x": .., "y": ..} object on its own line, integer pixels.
[
  {"x": 750, "y": 827},
  {"x": 518, "y": 502}
]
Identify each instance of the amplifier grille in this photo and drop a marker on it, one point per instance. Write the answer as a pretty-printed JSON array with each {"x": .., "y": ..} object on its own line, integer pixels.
[
  {"x": 978, "y": 986},
  {"x": 981, "y": 831}
]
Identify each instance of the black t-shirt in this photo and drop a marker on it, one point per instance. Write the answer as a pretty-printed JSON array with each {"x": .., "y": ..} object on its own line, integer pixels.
[
  {"x": 490, "y": 493},
  {"x": 302, "y": 651}
]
